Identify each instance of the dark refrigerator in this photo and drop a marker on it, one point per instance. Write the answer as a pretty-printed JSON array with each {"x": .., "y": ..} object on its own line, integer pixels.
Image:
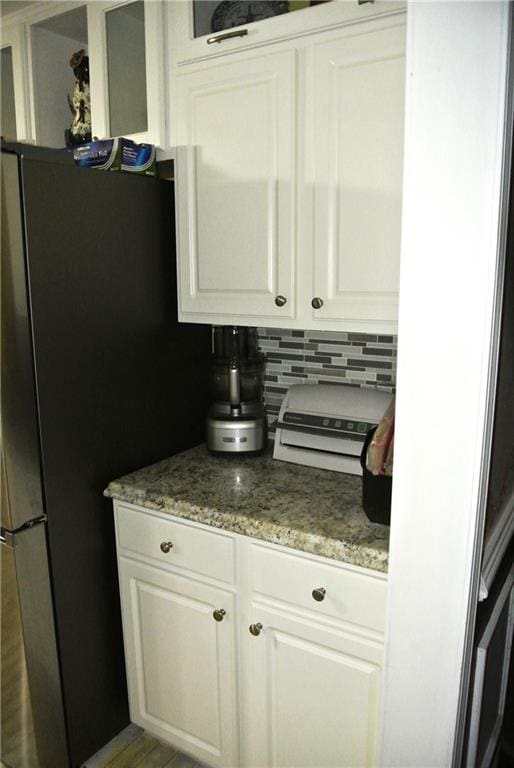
[{"x": 98, "y": 379}]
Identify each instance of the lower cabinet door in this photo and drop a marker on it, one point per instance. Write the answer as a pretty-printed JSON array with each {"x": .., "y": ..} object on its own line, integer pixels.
[
  {"x": 311, "y": 694},
  {"x": 181, "y": 661}
]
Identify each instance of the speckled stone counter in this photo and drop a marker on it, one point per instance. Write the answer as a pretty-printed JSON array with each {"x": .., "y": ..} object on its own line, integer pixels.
[{"x": 312, "y": 510}]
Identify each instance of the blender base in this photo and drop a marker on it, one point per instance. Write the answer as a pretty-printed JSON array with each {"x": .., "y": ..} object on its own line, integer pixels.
[{"x": 236, "y": 435}]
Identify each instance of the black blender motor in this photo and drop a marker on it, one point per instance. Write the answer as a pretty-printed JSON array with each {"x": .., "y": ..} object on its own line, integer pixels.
[{"x": 237, "y": 420}]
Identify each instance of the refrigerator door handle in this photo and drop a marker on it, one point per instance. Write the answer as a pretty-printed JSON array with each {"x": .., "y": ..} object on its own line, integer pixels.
[{"x": 7, "y": 536}]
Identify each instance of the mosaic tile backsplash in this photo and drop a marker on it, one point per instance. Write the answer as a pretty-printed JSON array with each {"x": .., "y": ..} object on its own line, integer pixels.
[{"x": 293, "y": 357}]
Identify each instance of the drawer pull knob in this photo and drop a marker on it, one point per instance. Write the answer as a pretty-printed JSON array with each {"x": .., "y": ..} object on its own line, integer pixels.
[
  {"x": 218, "y": 614},
  {"x": 280, "y": 300},
  {"x": 166, "y": 546},
  {"x": 317, "y": 303},
  {"x": 255, "y": 629},
  {"x": 319, "y": 594}
]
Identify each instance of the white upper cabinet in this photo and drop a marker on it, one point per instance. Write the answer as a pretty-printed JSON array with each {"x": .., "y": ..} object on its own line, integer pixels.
[
  {"x": 289, "y": 178},
  {"x": 357, "y": 98},
  {"x": 125, "y": 45},
  {"x": 127, "y": 64},
  {"x": 236, "y": 196}
]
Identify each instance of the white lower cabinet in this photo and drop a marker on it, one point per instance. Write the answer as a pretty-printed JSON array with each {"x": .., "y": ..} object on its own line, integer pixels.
[
  {"x": 311, "y": 694},
  {"x": 180, "y": 660},
  {"x": 279, "y": 669}
]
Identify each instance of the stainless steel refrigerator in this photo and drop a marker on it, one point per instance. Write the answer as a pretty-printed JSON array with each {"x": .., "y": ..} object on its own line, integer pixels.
[{"x": 98, "y": 379}]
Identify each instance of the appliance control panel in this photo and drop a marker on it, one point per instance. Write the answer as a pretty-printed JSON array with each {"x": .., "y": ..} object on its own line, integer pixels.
[{"x": 352, "y": 429}]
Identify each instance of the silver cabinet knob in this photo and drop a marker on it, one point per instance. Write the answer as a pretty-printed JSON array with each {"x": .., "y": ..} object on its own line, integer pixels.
[
  {"x": 219, "y": 614},
  {"x": 319, "y": 594},
  {"x": 255, "y": 629},
  {"x": 166, "y": 546},
  {"x": 316, "y": 303},
  {"x": 280, "y": 300}
]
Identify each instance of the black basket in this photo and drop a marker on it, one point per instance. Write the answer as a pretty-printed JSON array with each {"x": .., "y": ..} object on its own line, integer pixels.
[{"x": 376, "y": 490}]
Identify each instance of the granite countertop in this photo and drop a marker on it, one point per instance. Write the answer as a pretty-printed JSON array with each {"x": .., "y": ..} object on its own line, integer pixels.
[{"x": 308, "y": 509}]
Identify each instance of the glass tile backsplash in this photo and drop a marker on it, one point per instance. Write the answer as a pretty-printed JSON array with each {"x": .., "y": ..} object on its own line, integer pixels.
[{"x": 294, "y": 357}]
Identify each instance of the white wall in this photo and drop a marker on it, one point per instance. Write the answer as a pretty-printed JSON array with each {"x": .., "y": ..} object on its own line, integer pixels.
[
  {"x": 456, "y": 70},
  {"x": 53, "y": 80}
]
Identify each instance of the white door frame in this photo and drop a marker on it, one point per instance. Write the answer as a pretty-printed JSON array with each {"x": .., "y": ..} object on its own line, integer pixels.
[
  {"x": 455, "y": 145},
  {"x": 12, "y": 36}
]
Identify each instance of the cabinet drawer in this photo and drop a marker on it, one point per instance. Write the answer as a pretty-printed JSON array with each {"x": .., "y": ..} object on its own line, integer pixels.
[
  {"x": 200, "y": 550},
  {"x": 350, "y": 596}
]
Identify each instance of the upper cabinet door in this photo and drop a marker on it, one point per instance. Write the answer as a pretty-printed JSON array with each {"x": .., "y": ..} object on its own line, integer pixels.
[
  {"x": 357, "y": 99},
  {"x": 126, "y": 44},
  {"x": 236, "y": 144}
]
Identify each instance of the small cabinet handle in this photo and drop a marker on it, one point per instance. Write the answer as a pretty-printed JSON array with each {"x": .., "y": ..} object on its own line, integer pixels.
[
  {"x": 316, "y": 303},
  {"x": 280, "y": 300},
  {"x": 255, "y": 629},
  {"x": 363, "y": 2},
  {"x": 219, "y": 614},
  {"x": 227, "y": 36},
  {"x": 166, "y": 546},
  {"x": 319, "y": 594}
]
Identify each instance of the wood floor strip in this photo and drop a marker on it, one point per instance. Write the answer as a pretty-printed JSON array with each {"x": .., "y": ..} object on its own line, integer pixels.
[
  {"x": 182, "y": 761},
  {"x": 132, "y": 754},
  {"x": 134, "y": 748},
  {"x": 159, "y": 757},
  {"x": 104, "y": 756}
]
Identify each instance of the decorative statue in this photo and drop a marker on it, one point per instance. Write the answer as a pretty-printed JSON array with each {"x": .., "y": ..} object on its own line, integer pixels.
[{"x": 80, "y": 104}]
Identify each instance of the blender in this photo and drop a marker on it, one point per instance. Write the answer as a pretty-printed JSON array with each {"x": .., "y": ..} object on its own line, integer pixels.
[{"x": 237, "y": 419}]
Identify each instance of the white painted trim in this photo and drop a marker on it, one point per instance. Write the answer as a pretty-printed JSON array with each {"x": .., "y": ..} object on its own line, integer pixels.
[
  {"x": 40, "y": 11},
  {"x": 477, "y": 581},
  {"x": 154, "y": 53},
  {"x": 31, "y": 116},
  {"x": 97, "y": 48},
  {"x": 12, "y": 36},
  {"x": 455, "y": 111},
  {"x": 155, "y": 78}
]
